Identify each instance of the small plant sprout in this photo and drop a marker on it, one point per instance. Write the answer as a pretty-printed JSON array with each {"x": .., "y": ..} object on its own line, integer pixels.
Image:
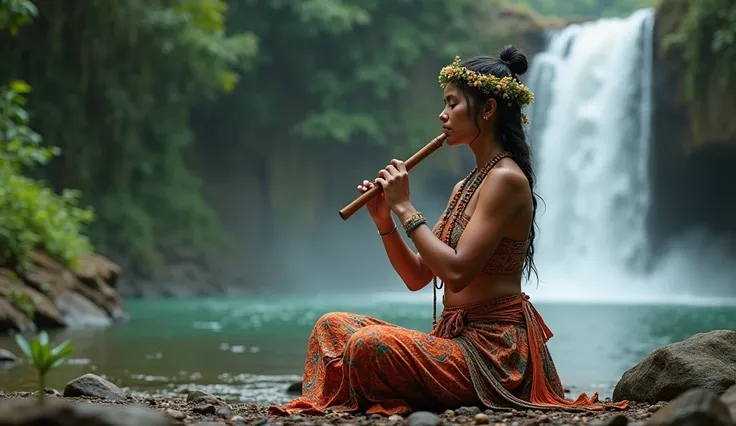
[{"x": 43, "y": 357}]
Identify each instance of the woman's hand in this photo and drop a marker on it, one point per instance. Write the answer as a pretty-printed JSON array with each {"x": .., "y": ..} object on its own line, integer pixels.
[
  {"x": 394, "y": 180},
  {"x": 377, "y": 206}
]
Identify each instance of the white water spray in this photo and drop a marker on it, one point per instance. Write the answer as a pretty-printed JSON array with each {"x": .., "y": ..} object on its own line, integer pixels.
[{"x": 591, "y": 134}]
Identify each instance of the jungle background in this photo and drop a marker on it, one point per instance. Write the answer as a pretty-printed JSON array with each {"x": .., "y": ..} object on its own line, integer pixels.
[{"x": 207, "y": 145}]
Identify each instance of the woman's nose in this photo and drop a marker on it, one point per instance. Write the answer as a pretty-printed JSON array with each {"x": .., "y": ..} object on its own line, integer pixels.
[{"x": 443, "y": 117}]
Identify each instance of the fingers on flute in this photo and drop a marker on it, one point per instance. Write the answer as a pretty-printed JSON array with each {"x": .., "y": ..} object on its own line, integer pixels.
[
  {"x": 365, "y": 186},
  {"x": 399, "y": 165}
]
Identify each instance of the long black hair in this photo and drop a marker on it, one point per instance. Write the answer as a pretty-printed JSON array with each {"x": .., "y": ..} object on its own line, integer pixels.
[{"x": 511, "y": 62}]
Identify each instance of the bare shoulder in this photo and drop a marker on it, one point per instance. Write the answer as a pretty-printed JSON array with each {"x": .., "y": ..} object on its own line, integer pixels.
[{"x": 506, "y": 183}]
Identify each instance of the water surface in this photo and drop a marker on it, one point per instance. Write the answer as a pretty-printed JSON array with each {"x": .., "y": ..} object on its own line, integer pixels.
[{"x": 252, "y": 349}]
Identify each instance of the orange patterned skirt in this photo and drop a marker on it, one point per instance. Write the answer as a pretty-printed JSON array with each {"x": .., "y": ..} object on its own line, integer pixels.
[{"x": 490, "y": 354}]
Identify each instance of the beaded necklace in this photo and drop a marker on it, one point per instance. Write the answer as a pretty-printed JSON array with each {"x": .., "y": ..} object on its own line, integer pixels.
[{"x": 456, "y": 209}]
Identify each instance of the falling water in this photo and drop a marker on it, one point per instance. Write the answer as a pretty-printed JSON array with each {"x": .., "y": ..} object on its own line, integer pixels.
[{"x": 591, "y": 134}]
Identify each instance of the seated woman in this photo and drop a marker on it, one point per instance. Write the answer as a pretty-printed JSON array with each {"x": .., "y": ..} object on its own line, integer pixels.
[{"x": 489, "y": 346}]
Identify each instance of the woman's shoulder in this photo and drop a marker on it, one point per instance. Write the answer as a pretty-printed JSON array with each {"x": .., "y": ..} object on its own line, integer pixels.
[{"x": 506, "y": 180}]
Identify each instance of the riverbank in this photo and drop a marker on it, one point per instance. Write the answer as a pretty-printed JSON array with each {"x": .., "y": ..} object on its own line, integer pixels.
[
  {"x": 199, "y": 408},
  {"x": 49, "y": 295}
]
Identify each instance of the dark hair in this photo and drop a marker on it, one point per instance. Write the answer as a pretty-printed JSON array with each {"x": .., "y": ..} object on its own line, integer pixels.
[{"x": 511, "y": 62}]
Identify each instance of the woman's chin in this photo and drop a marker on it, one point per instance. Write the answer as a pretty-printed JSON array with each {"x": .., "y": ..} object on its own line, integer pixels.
[{"x": 452, "y": 141}]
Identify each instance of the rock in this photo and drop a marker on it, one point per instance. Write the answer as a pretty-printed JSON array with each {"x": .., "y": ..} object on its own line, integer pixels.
[
  {"x": 295, "y": 388},
  {"x": 467, "y": 411},
  {"x": 205, "y": 409},
  {"x": 223, "y": 412},
  {"x": 729, "y": 398},
  {"x": 94, "y": 386},
  {"x": 11, "y": 318},
  {"x": 80, "y": 311},
  {"x": 395, "y": 418},
  {"x": 705, "y": 360},
  {"x": 7, "y": 358},
  {"x": 481, "y": 419},
  {"x": 200, "y": 397},
  {"x": 57, "y": 296},
  {"x": 423, "y": 418},
  {"x": 696, "y": 406},
  {"x": 175, "y": 414},
  {"x": 58, "y": 412}
]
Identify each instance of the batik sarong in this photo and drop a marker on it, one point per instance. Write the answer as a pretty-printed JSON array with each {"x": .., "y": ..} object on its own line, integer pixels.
[{"x": 491, "y": 354}]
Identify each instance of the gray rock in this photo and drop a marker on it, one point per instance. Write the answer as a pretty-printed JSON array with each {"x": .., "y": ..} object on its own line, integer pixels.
[
  {"x": 57, "y": 412},
  {"x": 729, "y": 398},
  {"x": 94, "y": 386},
  {"x": 201, "y": 397},
  {"x": 7, "y": 358},
  {"x": 295, "y": 388},
  {"x": 706, "y": 360},
  {"x": 695, "y": 407},
  {"x": 423, "y": 418},
  {"x": 175, "y": 414},
  {"x": 467, "y": 411},
  {"x": 205, "y": 409},
  {"x": 224, "y": 412}
]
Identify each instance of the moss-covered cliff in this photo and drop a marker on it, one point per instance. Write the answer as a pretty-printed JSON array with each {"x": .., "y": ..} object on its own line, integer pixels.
[
  {"x": 694, "y": 145},
  {"x": 696, "y": 45}
]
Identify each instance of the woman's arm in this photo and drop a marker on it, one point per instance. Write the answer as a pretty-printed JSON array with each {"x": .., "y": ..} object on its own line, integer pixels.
[
  {"x": 409, "y": 265},
  {"x": 500, "y": 197}
]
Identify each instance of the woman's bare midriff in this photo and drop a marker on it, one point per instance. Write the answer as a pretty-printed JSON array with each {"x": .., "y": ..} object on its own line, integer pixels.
[{"x": 485, "y": 287}]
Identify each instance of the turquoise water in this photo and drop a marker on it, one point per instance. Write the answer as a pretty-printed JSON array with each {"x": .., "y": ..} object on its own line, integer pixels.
[{"x": 251, "y": 349}]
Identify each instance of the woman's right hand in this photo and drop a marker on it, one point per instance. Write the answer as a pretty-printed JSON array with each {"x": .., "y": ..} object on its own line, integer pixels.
[{"x": 377, "y": 207}]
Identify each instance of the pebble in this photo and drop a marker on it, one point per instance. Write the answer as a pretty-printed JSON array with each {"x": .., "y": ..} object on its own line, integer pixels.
[
  {"x": 223, "y": 412},
  {"x": 175, "y": 414},
  {"x": 654, "y": 408},
  {"x": 481, "y": 419},
  {"x": 424, "y": 418},
  {"x": 205, "y": 409}
]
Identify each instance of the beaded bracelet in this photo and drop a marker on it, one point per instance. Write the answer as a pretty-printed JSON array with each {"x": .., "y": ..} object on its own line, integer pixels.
[{"x": 413, "y": 222}]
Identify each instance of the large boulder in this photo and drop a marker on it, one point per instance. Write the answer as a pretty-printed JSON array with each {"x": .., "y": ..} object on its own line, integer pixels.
[
  {"x": 695, "y": 407},
  {"x": 705, "y": 360},
  {"x": 729, "y": 398}
]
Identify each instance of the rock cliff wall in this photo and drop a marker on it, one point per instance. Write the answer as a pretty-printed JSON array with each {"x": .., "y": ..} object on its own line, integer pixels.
[{"x": 50, "y": 295}]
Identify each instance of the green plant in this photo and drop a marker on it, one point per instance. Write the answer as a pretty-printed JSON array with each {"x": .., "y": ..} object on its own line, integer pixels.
[
  {"x": 22, "y": 302},
  {"x": 31, "y": 214},
  {"x": 43, "y": 357}
]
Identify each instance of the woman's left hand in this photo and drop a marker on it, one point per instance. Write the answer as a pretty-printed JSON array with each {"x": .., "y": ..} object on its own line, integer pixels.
[{"x": 394, "y": 180}]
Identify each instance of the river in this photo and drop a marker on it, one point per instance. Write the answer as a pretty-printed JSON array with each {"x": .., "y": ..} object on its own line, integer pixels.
[{"x": 252, "y": 349}]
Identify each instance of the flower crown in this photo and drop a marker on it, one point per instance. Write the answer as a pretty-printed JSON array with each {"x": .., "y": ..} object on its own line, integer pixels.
[{"x": 503, "y": 88}]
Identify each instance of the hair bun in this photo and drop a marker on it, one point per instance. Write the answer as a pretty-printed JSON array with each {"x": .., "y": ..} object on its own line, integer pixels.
[{"x": 515, "y": 59}]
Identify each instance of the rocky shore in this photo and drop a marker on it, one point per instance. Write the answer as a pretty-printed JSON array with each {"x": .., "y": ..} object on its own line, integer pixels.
[
  {"x": 113, "y": 408},
  {"x": 50, "y": 295},
  {"x": 692, "y": 382}
]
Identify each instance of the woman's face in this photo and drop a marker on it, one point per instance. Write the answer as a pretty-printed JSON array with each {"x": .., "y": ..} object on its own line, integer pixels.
[{"x": 456, "y": 123}]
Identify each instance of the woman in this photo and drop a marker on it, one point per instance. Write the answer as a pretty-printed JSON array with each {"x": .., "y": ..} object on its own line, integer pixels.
[{"x": 489, "y": 346}]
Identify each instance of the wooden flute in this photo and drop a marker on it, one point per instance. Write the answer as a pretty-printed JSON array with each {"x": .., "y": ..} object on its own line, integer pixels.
[{"x": 415, "y": 159}]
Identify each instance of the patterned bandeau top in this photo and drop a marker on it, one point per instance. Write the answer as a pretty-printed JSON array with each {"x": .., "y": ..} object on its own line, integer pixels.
[{"x": 508, "y": 258}]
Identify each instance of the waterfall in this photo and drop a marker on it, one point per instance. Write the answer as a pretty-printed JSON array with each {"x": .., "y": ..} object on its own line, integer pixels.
[{"x": 590, "y": 133}]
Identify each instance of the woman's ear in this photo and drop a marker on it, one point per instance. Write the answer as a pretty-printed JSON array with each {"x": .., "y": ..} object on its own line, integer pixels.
[{"x": 489, "y": 108}]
